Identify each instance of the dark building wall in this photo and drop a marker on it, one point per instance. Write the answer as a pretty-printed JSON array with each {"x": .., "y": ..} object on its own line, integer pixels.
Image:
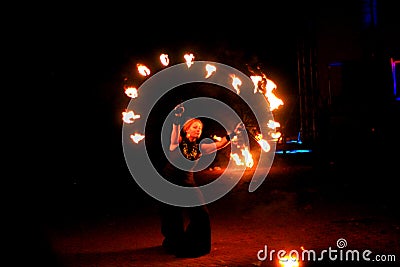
[{"x": 351, "y": 43}]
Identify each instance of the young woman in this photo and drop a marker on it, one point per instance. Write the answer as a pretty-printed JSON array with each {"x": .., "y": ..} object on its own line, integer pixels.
[{"x": 194, "y": 240}]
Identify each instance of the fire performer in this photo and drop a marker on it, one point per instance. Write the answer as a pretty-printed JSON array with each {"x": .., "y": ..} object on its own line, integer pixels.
[{"x": 194, "y": 240}]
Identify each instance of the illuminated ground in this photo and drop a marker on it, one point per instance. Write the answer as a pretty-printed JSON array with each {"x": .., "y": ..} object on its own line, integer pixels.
[{"x": 299, "y": 205}]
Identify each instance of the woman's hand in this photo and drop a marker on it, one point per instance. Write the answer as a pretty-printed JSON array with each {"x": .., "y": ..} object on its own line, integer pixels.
[
  {"x": 178, "y": 110},
  {"x": 239, "y": 128}
]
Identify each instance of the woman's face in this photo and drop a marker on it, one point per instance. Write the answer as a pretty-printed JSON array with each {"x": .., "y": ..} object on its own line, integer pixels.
[{"x": 194, "y": 130}]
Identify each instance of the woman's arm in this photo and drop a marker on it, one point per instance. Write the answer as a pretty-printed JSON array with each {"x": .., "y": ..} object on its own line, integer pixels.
[
  {"x": 210, "y": 148},
  {"x": 176, "y": 127}
]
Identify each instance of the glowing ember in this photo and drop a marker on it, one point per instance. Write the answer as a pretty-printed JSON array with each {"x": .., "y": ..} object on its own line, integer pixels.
[
  {"x": 189, "y": 59},
  {"x": 164, "y": 59},
  {"x": 236, "y": 82},
  {"x": 131, "y": 92},
  {"x": 143, "y": 70},
  {"x": 287, "y": 261},
  {"x": 210, "y": 70},
  {"x": 136, "y": 137},
  {"x": 129, "y": 116}
]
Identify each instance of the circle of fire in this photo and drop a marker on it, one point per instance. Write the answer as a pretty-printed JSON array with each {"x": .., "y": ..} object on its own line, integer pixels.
[{"x": 137, "y": 158}]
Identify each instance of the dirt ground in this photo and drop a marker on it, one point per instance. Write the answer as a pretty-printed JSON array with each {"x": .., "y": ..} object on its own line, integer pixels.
[{"x": 298, "y": 207}]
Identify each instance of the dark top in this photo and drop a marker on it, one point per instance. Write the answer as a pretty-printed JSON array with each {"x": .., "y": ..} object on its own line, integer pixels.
[{"x": 189, "y": 150}]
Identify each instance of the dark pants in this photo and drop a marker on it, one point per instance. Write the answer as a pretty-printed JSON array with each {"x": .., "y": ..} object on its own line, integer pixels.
[
  {"x": 192, "y": 240},
  {"x": 186, "y": 230}
]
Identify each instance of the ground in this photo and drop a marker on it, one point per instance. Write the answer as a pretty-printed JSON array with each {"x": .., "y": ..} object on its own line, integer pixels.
[{"x": 298, "y": 207}]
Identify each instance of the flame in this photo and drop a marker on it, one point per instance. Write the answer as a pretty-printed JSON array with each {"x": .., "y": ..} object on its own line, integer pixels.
[
  {"x": 164, "y": 59},
  {"x": 261, "y": 84},
  {"x": 131, "y": 92},
  {"x": 273, "y": 124},
  {"x": 210, "y": 70},
  {"x": 269, "y": 86},
  {"x": 236, "y": 82},
  {"x": 256, "y": 80},
  {"x": 189, "y": 59},
  {"x": 137, "y": 137},
  {"x": 217, "y": 138},
  {"x": 143, "y": 70},
  {"x": 248, "y": 157},
  {"x": 264, "y": 85},
  {"x": 129, "y": 116},
  {"x": 263, "y": 143},
  {"x": 276, "y": 135},
  {"x": 287, "y": 261},
  {"x": 237, "y": 159}
]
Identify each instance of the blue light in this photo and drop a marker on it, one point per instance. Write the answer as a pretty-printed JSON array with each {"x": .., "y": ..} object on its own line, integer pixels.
[
  {"x": 335, "y": 64},
  {"x": 370, "y": 16},
  {"x": 394, "y": 74},
  {"x": 293, "y": 151}
]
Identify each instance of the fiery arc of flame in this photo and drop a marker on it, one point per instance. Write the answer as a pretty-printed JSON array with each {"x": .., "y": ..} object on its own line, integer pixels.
[{"x": 261, "y": 84}]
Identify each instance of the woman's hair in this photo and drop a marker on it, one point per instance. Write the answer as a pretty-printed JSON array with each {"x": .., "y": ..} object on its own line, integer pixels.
[{"x": 189, "y": 123}]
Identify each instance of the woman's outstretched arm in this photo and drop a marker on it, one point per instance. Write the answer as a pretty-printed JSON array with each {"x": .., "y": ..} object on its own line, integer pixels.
[{"x": 212, "y": 147}]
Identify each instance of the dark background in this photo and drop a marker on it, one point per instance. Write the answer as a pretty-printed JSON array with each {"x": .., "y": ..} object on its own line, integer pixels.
[{"x": 330, "y": 62}]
